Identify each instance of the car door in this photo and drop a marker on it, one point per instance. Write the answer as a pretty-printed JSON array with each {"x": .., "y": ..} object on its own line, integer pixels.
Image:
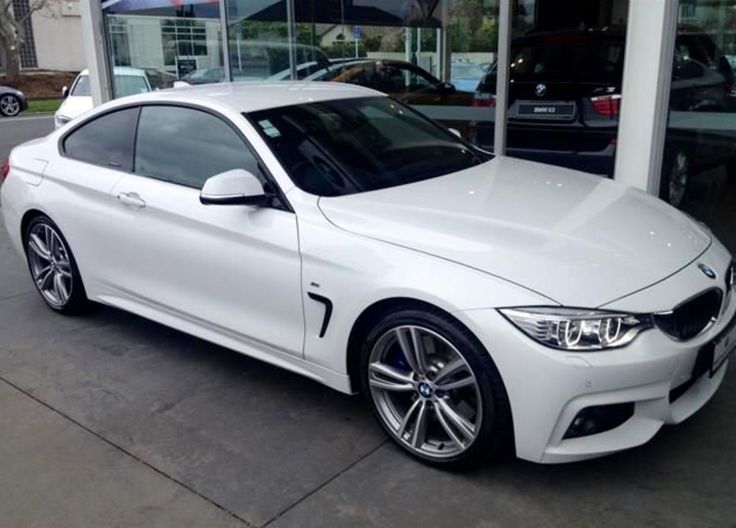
[
  {"x": 94, "y": 156},
  {"x": 233, "y": 270}
]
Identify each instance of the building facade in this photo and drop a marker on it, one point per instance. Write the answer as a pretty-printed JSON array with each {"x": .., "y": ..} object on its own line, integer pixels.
[{"x": 52, "y": 37}]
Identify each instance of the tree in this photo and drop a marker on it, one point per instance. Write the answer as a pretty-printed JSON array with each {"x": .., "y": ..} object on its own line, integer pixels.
[{"x": 12, "y": 34}]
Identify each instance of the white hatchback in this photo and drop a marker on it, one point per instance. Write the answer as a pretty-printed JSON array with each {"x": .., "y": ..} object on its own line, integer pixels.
[
  {"x": 78, "y": 99},
  {"x": 477, "y": 301}
]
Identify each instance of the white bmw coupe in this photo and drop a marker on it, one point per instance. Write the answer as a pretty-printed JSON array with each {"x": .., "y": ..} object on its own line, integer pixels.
[{"x": 477, "y": 301}]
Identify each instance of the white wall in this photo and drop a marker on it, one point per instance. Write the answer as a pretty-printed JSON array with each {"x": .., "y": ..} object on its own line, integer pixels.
[
  {"x": 58, "y": 37},
  {"x": 144, "y": 39}
]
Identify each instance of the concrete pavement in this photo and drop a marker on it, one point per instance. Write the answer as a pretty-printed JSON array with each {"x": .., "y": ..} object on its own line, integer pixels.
[{"x": 16, "y": 130}]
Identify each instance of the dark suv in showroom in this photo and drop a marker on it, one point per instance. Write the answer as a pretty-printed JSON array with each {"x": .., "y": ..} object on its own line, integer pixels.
[{"x": 565, "y": 96}]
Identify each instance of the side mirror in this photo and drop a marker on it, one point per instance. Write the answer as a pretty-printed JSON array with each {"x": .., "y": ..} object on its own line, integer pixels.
[
  {"x": 456, "y": 132},
  {"x": 447, "y": 87},
  {"x": 64, "y": 91},
  {"x": 234, "y": 187}
]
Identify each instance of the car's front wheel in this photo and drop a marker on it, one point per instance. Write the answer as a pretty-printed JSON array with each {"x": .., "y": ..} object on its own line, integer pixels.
[
  {"x": 53, "y": 268},
  {"x": 9, "y": 105},
  {"x": 434, "y": 388}
]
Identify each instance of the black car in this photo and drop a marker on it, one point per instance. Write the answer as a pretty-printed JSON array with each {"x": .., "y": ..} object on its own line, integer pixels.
[
  {"x": 565, "y": 96},
  {"x": 12, "y": 101}
]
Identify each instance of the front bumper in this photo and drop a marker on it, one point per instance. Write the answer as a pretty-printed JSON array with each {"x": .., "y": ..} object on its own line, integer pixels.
[
  {"x": 547, "y": 388},
  {"x": 23, "y": 102}
]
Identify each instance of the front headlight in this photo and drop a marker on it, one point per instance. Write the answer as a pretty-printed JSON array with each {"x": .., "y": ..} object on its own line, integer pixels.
[{"x": 578, "y": 329}]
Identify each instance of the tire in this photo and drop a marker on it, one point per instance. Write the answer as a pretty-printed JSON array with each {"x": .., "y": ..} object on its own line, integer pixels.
[
  {"x": 52, "y": 267},
  {"x": 10, "y": 105},
  {"x": 675, "y": 179},
  {"x": 399, "y": 394}
]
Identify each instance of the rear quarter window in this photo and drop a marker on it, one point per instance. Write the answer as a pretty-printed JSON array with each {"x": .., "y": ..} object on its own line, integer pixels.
[{"x": 107, "y": 140}]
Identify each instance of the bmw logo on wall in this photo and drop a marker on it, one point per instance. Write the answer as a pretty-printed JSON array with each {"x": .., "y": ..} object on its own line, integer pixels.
[
  {"x": 707, "y": 271},
  {"x": 540, "y": 90}
]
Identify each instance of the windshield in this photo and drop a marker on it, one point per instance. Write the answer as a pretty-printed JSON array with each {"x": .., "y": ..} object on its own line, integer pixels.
[
  {"x": 124, "y": 85},
  {"x": 334, "y": 148},
  {"x": 81, "y": 87},
  {"x": 130, "y": 85},
  {"x": 467, "y": 70},
  {"x": 568, "y": 59}
]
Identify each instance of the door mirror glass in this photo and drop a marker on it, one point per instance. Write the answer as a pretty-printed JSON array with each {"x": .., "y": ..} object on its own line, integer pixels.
[
  {"x": 234, "y": 187},
  {"x": 64, "y": 91},
  {"x": 456, "y": 132},
  {"x": 447, "y": 88}
]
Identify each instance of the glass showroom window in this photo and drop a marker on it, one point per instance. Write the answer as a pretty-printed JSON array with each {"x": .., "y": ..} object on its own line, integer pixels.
[
  {"x": 164, "y": 41},
  {"x": 429, "y": 54},
  {"x": 699, "y": 165},
  {"x": 565, "y": 78},
  {"x": 259, "y": 43}
]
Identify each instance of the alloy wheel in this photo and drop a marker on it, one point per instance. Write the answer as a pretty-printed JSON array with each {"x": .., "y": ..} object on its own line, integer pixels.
[
  {"x": 50, "y": 264},
  {"x": 425, "y": 392},
  {"x": 9, "y": 105}
]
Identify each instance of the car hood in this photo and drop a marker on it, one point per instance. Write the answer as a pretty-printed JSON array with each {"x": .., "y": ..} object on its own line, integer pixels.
[
  {"x": 578, "y": 239},
  {"x": 75, "y": 105}
]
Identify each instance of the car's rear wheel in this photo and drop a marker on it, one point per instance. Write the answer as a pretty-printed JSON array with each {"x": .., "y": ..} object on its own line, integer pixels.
[
  {"x": 9, "y": 105},
  {"x": 53, "y": 268},
  {"x": 434, "y": 389}
]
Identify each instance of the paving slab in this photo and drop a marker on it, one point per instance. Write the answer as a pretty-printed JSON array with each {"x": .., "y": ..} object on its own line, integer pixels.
[
  {"x": 253, "y": 438},
  {"x": 14, "y": 277},
  {"x": 55, "y": 473},
  {"x": 684, "y": 478}
]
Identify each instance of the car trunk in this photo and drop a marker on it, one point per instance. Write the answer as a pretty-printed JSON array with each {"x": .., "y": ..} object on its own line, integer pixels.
[{"x": 566, "y": 79}]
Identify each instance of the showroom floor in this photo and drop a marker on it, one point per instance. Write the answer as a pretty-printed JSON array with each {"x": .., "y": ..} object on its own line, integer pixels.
[{"x": 111, "y": 420}]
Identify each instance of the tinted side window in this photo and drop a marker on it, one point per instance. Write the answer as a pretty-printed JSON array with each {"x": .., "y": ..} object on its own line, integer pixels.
[
  {"x": 186, "y": 146},
  {"x": 107, "y": 140},
  {"x": 419, "y": 81}
]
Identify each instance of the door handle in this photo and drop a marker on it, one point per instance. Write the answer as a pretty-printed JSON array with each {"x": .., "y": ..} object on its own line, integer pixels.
[{"x": 131, "y": 199}]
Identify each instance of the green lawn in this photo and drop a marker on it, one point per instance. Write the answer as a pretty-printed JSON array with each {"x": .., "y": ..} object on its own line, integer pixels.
[{"x": 38, "y": 106}]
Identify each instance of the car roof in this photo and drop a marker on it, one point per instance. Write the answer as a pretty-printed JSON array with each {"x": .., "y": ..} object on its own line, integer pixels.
[
  {"x": 613, "y": 33},
  {"x": 254, "y": 96},
  {"x": 121, "y": 70},
  {"x": 375, "y": 61}
]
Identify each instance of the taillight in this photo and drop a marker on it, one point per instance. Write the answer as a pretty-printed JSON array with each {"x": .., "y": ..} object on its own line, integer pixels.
[
  {"x": 4, "y": 170},
  {"x": 606, "y": 105},
  {"x": 484, "y": 99}
]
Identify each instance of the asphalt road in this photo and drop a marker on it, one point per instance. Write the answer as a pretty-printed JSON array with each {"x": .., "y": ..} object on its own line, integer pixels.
[
  {"x": 17, "y": 130},
  {"x": 108, "y": 419}
]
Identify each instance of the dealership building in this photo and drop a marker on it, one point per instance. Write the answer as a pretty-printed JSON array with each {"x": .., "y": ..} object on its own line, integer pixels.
[{"x": 642, "y": 91}]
